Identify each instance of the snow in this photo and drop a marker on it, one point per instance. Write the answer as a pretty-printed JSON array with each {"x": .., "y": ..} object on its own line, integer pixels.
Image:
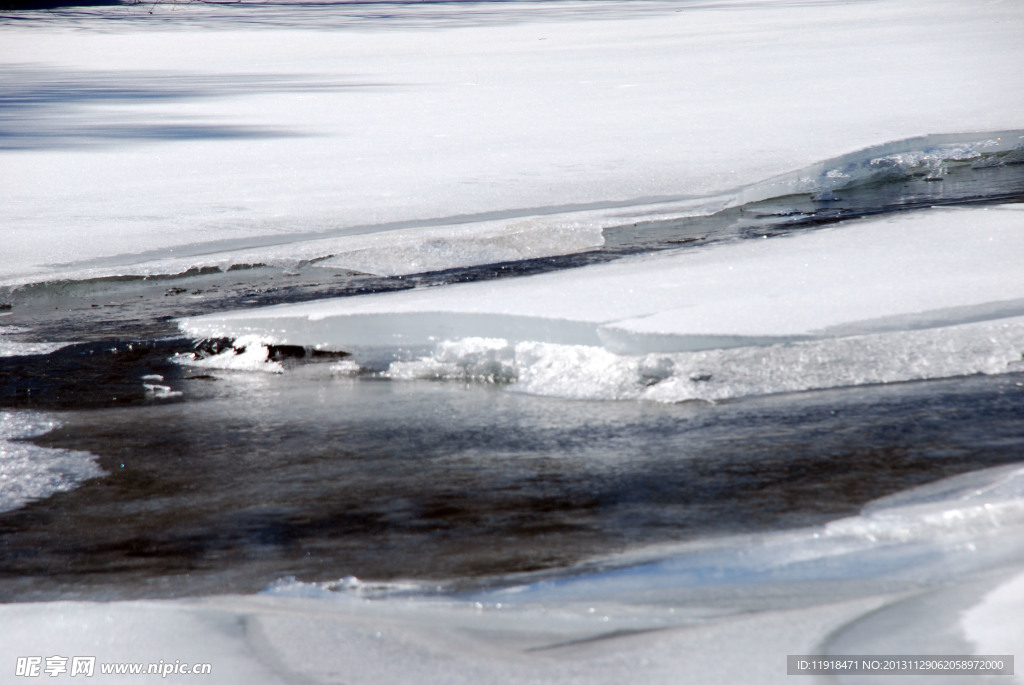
[
  {"x": 271, "y": 640},
  {"x": 151, "y": 146}
]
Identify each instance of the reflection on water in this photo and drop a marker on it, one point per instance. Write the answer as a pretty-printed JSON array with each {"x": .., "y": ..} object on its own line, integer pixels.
[{"x": 255, "y": 477}]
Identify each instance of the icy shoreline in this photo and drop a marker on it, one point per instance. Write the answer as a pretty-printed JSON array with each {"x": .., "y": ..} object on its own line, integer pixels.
[{"x": 954, "y": 543}]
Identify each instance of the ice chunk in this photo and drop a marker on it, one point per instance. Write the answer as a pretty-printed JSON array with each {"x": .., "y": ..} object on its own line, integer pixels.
[
  {"x": 489, "y": 360},
  {"x": 157, "y": 391},
  {"x": 345, "y": 367},
  {"x": 246, "y": 353},
  {"x": 713, "y": 375}
]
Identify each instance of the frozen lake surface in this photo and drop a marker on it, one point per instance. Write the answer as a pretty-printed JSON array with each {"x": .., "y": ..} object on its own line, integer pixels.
[{"x": 592, "y": 341}]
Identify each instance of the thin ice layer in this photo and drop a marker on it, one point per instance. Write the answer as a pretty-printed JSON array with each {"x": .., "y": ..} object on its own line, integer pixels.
[
  {"x": 28, "y": 472},
  {"x": 906, "y": 272},
  {"x": 17, "y": 348}
]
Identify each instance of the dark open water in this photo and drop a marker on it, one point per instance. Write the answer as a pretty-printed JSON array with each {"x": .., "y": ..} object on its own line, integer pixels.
[{"x": 252, "y": 477}]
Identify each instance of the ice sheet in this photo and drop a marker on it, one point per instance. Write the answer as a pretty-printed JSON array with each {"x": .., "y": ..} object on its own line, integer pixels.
[
  {"x": 994, "y": 624},
  {"x": 930, "y": 268},
  {"x": 220, "y": 146},
  {"x": 920, "y": 295}
]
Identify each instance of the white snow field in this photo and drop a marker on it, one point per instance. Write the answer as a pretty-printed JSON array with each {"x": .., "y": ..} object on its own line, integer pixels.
[
  {"x": 150, "y": 144},
  {"x": 137, "y": 143}
]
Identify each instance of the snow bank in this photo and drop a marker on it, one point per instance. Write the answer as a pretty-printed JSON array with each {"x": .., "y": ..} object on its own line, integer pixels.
[{"x": 924, "y": 295}]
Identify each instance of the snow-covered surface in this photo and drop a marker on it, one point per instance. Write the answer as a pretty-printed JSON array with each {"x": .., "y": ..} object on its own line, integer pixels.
[
  {"x": 28, "y": 472},
  {"x": 273, "y": 640},
  {"x": 921, "y": 295},
  {"x": 153, "y": 146},
  {"x": 994, "y": 624}
]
